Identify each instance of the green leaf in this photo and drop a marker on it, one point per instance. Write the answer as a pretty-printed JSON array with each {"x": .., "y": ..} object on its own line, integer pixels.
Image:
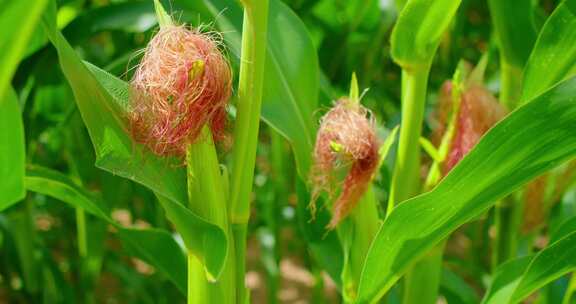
[
  {"x": 291, "y": 80},
  {"x": 554, "y": 56},
  {"x": 12, "y": 151},
  {"x": 531, "y": 140},
  {"x": 506, "y": 278},
  {"x": 514, "y": 29},
  {"x": 103, "y": 103},
  {"x": 520, "y": 277},
  {"x": 548, "y": 265},
  {"x": 198, "y": 233},
  {"x": 419, "y": 30},
  {"x": 18, "y": 20},
  {"x": 157, "y": 247},
  {"x": 567, "y": 227}
]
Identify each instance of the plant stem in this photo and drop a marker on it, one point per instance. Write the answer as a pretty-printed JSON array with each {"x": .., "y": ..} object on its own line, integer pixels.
[
  {"x": 422, "y": 282},
  {"x": 239, "y": 232},
  {"x": 81, "y": 234},
  {"x": 249, "y": 104},
  {"x": 510, "y": 84},
  {"x": 506, "y": 212},
  {"x": 507, "y": 216},
  {"x": 207, "y": 197},
  {"x": 253, "y": 58},
  {"x": 197, "y": 286},
  {"x": 358, "y": 235},
  {"x": 406, "y": 179},
  {"x": 279, "y": 155}
]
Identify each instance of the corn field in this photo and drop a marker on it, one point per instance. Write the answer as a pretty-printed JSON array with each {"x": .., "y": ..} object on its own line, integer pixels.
[{"x": 288, "y": 151}]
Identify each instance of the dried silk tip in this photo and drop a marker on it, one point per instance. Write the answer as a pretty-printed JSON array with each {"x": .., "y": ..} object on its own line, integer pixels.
[
  {"x": 346, "y": 140},
  {"x": 478, "y": 112},
  {"x": 182, "y": 83}
]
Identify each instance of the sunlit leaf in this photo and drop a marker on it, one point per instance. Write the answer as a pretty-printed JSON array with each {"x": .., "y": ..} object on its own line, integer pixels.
[
  {"x": 505, "y": 280},
  {"x": 18, "y": 19},
  {"x": 548, "y": 265},
  {"x": 12, "y": 154},
  {"x": 103, "y": 100},
  {"x": 418, "y": 31},
  {"x": 531, "y": 140},
  {"x": 554, "y": 56}
]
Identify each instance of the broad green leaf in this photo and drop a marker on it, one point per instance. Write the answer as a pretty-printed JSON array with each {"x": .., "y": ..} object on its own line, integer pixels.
[
  {"x": 505, "y": 280},
  {"x": 522, "y": 276},
  {"x": 291, "y": 80},
  {"x": 565, "y": 228},
  {"x": 199, "y": 235},
  {"x": 554, "y": 56},
  {"x": 514, "y": 29},
  {"x": 103, "y": 103},
  {"x": 18, "y": 20},
  {"x": 155, "y": 246},
  {"x": 419, "y": 29},
  {"x": 12, "y": 154},
  {"x": 529, "y": 141},
  {"x": 548, "y": 265}
]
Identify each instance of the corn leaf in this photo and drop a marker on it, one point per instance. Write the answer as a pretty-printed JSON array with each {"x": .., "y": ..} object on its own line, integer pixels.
[
  {"x": 531, "y": 140},
  {"x": 548, "y": 265},
  {"x": 419, "y": 30},
  {"x": 156, "y": 247},
  {"x": 505, "y": 280},
  {"x": 12, "y": 151},
  {"x": 517, "y": 279},
  {"x": 18, "y": 19},
  {"x": 103, "y": 100},
  {"x": 553, "y": 58}
]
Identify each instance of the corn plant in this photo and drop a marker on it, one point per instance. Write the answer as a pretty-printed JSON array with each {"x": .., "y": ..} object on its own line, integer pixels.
[{"x": 266, "y": 151}]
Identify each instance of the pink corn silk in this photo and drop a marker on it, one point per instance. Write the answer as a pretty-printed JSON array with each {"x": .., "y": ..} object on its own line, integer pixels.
[
  {"x": 347, "y": 126},
  {"x": 172, "y": 98},
  {"x": 478, "y": 112}
]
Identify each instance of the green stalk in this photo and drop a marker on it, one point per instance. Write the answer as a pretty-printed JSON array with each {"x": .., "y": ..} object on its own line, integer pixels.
[
  {"x": 422, "y": 282},
  {"x": 357, "y": 235},
  {"x": 207, "y": 197},
  {"x": 510, "y": 84},
  {"x": 81, "y": 233},
  {"x": 279, "y": 154},
  {"x": 253, "y": 58},
  {"x": 406, "y": 179},
  {"x": 507, "y": 213},
  {"x": 507, "y": 220}
]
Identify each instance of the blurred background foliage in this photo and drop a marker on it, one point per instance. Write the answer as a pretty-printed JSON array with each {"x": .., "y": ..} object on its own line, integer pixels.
[{"x": 40, "y": 257}]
